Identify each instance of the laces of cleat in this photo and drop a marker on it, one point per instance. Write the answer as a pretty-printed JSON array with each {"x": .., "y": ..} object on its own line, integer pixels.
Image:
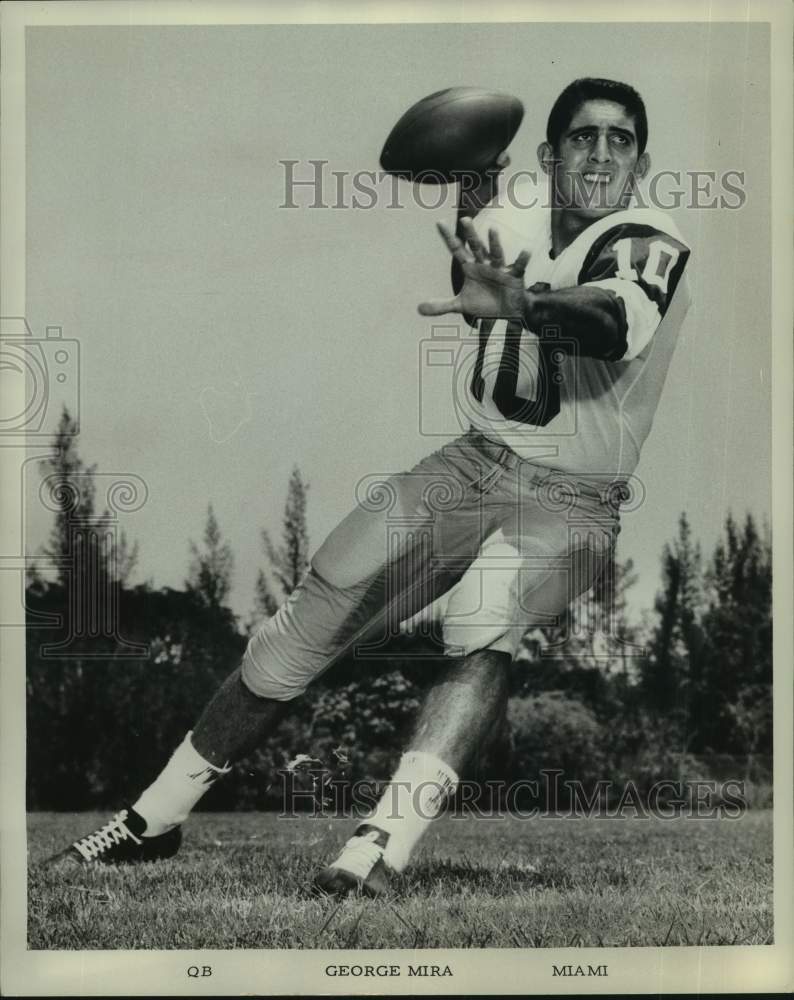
[
  {"x": 111, "y": 833},
  {"x": 360, "y": 855}
]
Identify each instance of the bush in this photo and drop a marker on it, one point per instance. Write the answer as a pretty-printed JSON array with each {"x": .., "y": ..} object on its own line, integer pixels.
[{"x": 551, "y": 732}]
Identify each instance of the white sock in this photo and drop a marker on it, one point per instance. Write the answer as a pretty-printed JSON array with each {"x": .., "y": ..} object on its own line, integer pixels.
[
  {"x": 413, "y": 799},
  {"x": 167, "y": 802}
]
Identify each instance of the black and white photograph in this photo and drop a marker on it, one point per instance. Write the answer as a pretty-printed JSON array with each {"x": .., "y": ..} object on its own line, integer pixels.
[{"x": 396, "y": 440}]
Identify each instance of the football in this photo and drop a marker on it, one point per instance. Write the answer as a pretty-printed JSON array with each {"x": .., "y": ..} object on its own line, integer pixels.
[{"x": 452, "y": 132}]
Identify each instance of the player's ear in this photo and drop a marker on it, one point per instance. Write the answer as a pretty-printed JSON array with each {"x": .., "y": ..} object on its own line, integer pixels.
[
  {"x": 643, "y": 165},
  {"x": 546, "y": 157}
]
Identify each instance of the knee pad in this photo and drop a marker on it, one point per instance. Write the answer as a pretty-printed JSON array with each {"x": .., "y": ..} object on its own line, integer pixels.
[
  {"x": 278, "y": 662},
  {"x": 268, "y": 680},
  {"x": 301, "y": 640}
]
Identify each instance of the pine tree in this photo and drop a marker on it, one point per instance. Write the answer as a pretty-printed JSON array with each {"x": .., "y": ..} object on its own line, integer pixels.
[
  {"x": 265, "y": 604},
  {"x": 210, "y": 577},
  {"x": 671, "y": 675},
  {"x": 125, "y": 559},
  {"x": 290, "y": 560},
  {"x": 71, "y": 486},
  {"x": 608, "y": 615},
  {"x": 737, "y": 676},
  {"x": 287, "y": 562},
  {"x": 75, "y": 692}
]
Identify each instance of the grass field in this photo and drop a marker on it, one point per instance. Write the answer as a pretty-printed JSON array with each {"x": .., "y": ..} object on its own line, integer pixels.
[{"x": 242, "y": 881}]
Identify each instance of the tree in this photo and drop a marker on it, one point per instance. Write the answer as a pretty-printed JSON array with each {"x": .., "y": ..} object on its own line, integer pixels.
[
  {"x": 709, "y": 674},
  {"x": 553, "y": 732},
  {"x": 71, "y": 488},
  {"x": 599, "y": 620},
  {"x": 288, "y": 561},
  {"x": 70, "y": 485},
  {"x": 210, "y": 576},
  {"x": 737, "y": 666},
  {"x": 620, "y": 650},
  {"x": 77, "y": 645},
  {"x": 100, "y": 726},
  {"x": 125, "y": 559},
  {"x": 671, "y": 674},
  {"x": 265, "y": 604}
]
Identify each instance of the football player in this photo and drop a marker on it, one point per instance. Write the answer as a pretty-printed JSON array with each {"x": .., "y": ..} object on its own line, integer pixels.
[{"x": 576, "y": 307}]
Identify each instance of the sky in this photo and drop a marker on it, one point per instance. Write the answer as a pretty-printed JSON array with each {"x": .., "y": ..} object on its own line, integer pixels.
[{"x": 224, "y": 339}]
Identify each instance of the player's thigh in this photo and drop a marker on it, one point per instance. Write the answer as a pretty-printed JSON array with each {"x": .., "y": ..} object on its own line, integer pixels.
[
  {"x": 420, "y": 520},
  {"x": 526, "y": 574},
  {"x": 385, "y": 561}
]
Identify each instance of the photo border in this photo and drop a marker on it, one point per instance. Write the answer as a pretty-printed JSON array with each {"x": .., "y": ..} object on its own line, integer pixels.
[{"x": 746, "y": 969}]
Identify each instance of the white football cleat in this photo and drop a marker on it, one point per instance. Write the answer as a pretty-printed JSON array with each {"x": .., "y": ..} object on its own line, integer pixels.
[{"x": 360, "y": 866}]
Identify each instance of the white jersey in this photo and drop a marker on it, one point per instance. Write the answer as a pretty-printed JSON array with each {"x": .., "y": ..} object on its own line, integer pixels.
[{"x": 537, "y": 395}]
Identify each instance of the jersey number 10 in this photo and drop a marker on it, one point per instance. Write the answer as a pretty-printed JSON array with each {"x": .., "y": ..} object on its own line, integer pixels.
[
  {"x": 659, "y": 263},
  {"x": 546, "y": 404}
]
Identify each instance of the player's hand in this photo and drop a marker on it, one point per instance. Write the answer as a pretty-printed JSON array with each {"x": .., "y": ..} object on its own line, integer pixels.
[{"x": 491, "y": 290}]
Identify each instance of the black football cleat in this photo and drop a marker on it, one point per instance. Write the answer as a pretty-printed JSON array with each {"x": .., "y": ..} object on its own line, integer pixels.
[
  {"x": 120, "y": 842},
  {"x": 360, "y": 867}
]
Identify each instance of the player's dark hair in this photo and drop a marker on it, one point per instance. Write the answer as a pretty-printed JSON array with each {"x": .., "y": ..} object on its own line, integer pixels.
[{"x": 594, "y": 89}]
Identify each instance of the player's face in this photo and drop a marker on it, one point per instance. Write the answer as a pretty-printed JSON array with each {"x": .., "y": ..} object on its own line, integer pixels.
[{"x": 597, "y": 162}]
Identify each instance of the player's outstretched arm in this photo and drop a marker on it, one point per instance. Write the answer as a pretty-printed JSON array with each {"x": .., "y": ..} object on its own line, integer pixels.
[{"x": 590, "y": 316}]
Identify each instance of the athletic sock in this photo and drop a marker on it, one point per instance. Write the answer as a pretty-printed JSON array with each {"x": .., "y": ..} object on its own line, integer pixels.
[
  {"x": 413, "y": 799},
  {"x": 167, "y": 802}
]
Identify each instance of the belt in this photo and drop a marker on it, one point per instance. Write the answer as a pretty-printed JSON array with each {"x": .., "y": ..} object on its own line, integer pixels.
[
  {"x": 605, "y": 490},
  {"x": 499, "y": 453}
]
